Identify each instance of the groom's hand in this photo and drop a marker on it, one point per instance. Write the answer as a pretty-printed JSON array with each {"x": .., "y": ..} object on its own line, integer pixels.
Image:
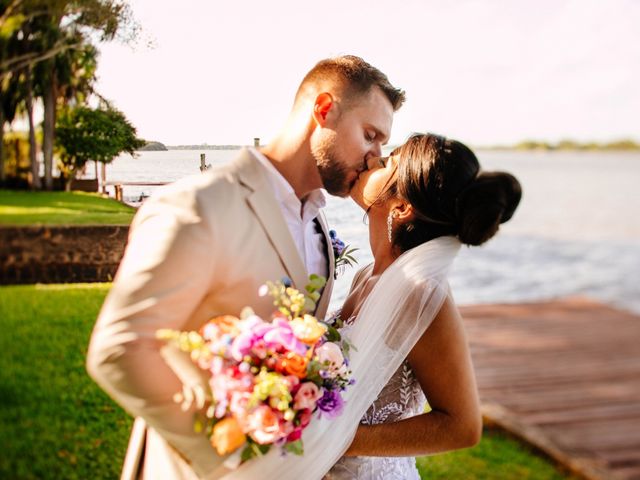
[{"x": 192, "y": 394}]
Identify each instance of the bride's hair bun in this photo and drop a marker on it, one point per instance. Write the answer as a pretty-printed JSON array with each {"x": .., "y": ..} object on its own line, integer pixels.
[
  {"x": 491, "y": 199},
  {"x": 450, "y": 195}
]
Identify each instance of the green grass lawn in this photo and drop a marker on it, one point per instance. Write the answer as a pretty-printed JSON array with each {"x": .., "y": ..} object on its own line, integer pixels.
[
  {"x": 18, "y": 207},
  {"x": 497, "y": 457},
  {"x": 55, "y": 423}
]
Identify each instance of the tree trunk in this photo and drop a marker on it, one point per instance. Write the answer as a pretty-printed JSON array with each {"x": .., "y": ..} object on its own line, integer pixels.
[
  {"x": 3, "y": 174},
  {"x": 50, "y": 96},
  {"x": 69, "y": 179},
  {"x": 35, "y": 170}
]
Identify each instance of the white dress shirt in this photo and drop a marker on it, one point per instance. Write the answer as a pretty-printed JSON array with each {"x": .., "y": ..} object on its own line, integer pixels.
[{"x": 299, "y": 217}]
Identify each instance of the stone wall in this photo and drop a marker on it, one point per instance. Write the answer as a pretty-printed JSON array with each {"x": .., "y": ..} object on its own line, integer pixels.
[{"x": 60, "y": 254}]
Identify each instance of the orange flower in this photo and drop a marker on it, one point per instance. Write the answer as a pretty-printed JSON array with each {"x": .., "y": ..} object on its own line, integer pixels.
[
  {"x": 227, "y": 436},
  {"x": 226, "y": 324},
  {"x": 294, "y": 364}
]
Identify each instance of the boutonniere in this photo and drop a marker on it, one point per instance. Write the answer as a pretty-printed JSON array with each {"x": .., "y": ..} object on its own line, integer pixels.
[{"x": 343, "y": 254}]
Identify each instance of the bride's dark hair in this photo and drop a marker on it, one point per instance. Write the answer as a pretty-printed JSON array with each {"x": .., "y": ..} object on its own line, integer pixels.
[{"x": 441, "y": 179}]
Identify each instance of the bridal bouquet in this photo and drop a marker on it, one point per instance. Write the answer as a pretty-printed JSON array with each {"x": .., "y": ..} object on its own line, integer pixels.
[{"x": 268, "y": 377}]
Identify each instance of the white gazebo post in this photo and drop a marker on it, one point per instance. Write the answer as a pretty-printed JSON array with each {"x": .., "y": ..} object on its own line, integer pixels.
[{"x": 103, "y": 177}]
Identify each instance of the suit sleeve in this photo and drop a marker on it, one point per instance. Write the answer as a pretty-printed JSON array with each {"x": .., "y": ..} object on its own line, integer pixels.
[{"x": 166, "y": 271}]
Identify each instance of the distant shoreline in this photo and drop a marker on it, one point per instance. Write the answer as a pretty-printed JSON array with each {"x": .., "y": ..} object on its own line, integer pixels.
[
  {"x": 526, "y": 146},
  {"x": 623, "y": 145},
  {"x": 205, "y": 147}
]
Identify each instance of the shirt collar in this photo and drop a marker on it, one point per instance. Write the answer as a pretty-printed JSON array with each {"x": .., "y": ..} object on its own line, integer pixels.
[{"x": 284, "y": 192}]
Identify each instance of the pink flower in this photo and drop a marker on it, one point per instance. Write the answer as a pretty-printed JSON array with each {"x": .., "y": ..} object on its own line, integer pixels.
[
  {"x": 330, "y": 356},
  {"x": 304, "y": 416},
  {"x": 307, "y": 396},
  {"x": 293, "y": 383},
  {"x": 295, "y": 435},
  {"x": 242, "y": 345},
  {"x": 257, "y": 335},
  {"x": 285, "y": 427},
  {"x": 281, "y": 335},
  {"x": 210, "y": 331},
  {"x": 238, "y": 407},
  {"x": 263, "y": 425}
]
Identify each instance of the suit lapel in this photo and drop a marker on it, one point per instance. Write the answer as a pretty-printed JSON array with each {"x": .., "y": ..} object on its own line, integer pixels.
[
  {"x": 323, "y": 303},
  {"x": 263, "y": 203}
]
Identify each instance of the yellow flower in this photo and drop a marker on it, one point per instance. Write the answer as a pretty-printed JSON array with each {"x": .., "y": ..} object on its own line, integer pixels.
[
  {"x": 307, "y": 329},
  {"x": 227, "y": 436}
]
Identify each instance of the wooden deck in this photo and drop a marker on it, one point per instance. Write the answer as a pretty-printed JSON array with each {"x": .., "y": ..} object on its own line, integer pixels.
[{"x": 564, "y": 376}]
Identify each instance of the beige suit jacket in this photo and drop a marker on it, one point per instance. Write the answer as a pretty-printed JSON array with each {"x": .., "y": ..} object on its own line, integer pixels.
[{"x": 198, "y": 248}]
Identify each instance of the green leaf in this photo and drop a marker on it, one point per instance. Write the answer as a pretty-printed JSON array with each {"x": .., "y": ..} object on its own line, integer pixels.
[
  {"x": 313, "y": 372},
  {"x": 309, "y": 305},
  {"x": 332, "y": 334},
  {"x": 11, "y": 25},
  {"x": 295, "y": 447},
  {"x": 316, "y": 282},
  {"x": 247, "y": 453}
]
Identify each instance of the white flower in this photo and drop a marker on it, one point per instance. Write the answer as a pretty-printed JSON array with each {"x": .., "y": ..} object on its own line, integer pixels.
[{"x": 330, "y": 356}]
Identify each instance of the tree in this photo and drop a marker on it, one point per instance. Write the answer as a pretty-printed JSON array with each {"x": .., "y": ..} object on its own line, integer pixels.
[
  {"x": 106, "y": 18},
  {"x": 15, "y": 92},
  {"x": 85, "y": 134},
  {"x": 72, "y": 71},
  {"x": 69, "y": 75},
  {"x": 52, "y": 46},
  {"x": 9, "y": 104}
]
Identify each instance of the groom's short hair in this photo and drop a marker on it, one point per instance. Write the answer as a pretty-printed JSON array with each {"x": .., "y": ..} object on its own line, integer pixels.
[{"x": 352, "y": 76}]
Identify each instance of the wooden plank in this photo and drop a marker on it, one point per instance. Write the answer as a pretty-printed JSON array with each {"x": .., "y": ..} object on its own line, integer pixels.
[{"x": 564, "y": 376}]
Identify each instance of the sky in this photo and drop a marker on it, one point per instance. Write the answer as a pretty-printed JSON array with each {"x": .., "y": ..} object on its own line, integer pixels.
[{"x": 485, "y": 72}]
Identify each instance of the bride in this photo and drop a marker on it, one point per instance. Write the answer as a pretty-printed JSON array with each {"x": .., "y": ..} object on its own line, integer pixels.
[{"x": 423, "y": 201}]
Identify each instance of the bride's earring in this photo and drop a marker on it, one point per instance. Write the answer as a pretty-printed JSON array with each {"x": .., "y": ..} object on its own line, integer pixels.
[{"x": 390, "y": 225}]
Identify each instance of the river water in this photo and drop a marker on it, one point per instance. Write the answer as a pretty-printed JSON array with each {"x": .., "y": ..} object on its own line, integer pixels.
[{"x": 576, "y": 232}]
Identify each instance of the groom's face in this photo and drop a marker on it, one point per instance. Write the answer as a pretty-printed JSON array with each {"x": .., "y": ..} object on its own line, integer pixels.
[{"x": 347, "y": 143}]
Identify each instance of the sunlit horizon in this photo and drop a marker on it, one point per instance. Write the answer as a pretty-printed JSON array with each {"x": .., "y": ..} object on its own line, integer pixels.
[{"x": 484, "y": 72}]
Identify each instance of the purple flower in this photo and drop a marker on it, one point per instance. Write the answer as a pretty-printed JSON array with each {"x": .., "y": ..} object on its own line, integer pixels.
[
  {"x": 337, "y": 244},
  {"x": 331, "y": 403}
]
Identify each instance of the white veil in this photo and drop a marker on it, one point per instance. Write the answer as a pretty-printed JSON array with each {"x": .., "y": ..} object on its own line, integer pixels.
[{"x": 399, "y": 309}]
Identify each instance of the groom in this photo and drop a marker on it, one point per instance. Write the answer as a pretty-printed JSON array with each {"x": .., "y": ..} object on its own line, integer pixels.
[{"x": 202, "y": 247}]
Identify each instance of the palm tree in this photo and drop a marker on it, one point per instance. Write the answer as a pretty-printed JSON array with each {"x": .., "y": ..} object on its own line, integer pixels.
[
  {"x": 33, "y": 160},
  {"x": 69, "y": 75},
  {"x": 9, "y": 100},
  {"x": 26, "y": 41}
]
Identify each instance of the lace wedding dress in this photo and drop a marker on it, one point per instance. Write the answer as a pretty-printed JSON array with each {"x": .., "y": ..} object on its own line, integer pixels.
[{"x": 402, "y": 397}]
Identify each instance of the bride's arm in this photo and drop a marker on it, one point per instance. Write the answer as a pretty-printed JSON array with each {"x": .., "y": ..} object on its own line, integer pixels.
[{"x": 442, "y": 364}]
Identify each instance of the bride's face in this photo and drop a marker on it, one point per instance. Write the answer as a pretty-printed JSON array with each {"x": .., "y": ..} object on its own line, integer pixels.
[{"x": 374, "y": 181}]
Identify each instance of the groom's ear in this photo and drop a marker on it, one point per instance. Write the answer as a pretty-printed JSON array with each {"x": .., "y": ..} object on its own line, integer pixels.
[{"x": 323, "y": 108}]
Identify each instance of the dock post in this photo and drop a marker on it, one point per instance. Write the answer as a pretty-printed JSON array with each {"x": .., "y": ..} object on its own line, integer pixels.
[
  {"x": 118, "y": 192},
  {"x": 203, "y": 163}
]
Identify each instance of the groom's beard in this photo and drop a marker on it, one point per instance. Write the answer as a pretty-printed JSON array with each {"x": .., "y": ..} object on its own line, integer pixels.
[{"x": 332, "y": 171}]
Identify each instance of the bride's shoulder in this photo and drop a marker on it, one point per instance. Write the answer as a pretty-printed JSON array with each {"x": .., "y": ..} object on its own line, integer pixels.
[{"x": 361, "y": 275}]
